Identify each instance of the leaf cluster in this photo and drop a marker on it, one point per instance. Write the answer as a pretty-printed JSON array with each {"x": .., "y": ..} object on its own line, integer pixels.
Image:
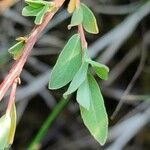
[
  {"x": 73, "y": 66},
  {"x": 37, "y": 9}
]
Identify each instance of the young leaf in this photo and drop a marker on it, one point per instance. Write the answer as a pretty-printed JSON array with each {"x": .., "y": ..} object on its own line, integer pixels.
[
  {"x": 77, "y": 17},
  {"x": 100, "y": 69},
  {"x": 71, "y": 6},
  {"x": 34, "y": 3},
  {"x": 5, "y": 122},
  {"x": 78, "y": 79},
  {"x": 84, "y": 95},
  {"x": 67, "y": 65},
  {"x": 95, "y": 119},
  {"x": 89, "y": 20},
  {"x": 16, "y": 49},
  {"x": 39, "y": 3},
  {"x": 13, "y": 125},
  {"x": 40, "y": 15},
  {"x": 30, "y": 11}
]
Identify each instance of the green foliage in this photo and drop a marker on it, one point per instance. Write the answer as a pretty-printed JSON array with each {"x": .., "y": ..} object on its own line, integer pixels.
[
  {"x": 5, "y": 123},
  {"x": 89, "y": 20},
  {"x": 95, "y": 119},
  {"x": 13, "y": 125},
  {"x": 38, "y": 9},
  {"x": 72, "y": 66},
  {"x": 29, "y": 11},
  {"x": 77, "y": 17},
  {"x": 16, "y": 50},
  {"x": 40, "y": 15},
  {"x": 84, "y": 95},
  {"x": 67, "y": 65},
  {"x": 78, "y": 79},
  {"x": 83, "y": 15},
  {"x": 100, "y": 69},
  {"x": 7, "y": 128}
]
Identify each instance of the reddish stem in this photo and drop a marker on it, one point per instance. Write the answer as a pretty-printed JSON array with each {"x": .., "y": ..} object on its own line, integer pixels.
[
  {"x": 16, "y": 69},
  {"x": 82, "y": 36},
  {"x": 81, "y": 31},
  {"x": 12, "y": 95}
]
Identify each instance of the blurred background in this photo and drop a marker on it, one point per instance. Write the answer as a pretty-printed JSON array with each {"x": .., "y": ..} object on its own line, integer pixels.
[{"x": 123, "y": 44}]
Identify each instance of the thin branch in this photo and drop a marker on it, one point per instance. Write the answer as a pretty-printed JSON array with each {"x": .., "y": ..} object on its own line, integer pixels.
[
  {"x": 12, "y": 95},
  {"x": 16, "y": 69}
]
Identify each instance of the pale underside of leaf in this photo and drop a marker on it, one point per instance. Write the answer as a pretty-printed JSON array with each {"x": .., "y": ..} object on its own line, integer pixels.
[
  {"x": 67, "y": 65},
  {"x": 5, "y": 122},
  {"x": 84, "y": 95},
  {"x": 77, "y": 17},
  {"x": 13, "y": 125},
  {"x": 95, "y": 119}
]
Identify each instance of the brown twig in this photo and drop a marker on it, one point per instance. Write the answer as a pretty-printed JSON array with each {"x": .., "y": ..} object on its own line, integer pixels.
[{"x": 16, "y": 69}]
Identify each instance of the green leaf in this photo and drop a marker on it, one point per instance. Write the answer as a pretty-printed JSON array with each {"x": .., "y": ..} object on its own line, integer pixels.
[
  {"x": 38, "y": 3},
  {"x": 5, "y": 123},
  {"x": 29, "y": 11},
  {"x": 16, "y": 49},
  {"x": 40, "y": 15},
  {"x": 95, "y": 119},
  {"x": 67, "y": 65},
  {"x": 100, "y": 69},
  {"x": 78, "y": 79},
  {"x": 34, "y": 3},
  {"x": 84, "y": 95},
  {"x": 77, "y": 17},
  {"x": 89, "y": 20},
  {"x": 13, "y": 125}
]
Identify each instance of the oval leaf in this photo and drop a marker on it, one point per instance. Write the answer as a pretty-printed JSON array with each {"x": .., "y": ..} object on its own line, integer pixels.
[
  {"x": 67, "y": 65},
  {"x": 29, "y": 11},
  {"x": 5, "y": 122},
  {"x": 95, "y": 119},
  {"x": 78, "y": 79},
  {"x": 84, "y": 95},
  {"x": 100, "y": 69},
  {"x": 77, "y": 17},
  {"x": 13, "y": 125},
  {"x": 89, "y": 20}
]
